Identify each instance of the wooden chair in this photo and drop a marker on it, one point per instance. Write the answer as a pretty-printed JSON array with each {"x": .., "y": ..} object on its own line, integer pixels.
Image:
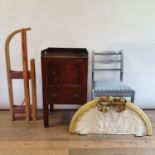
[{"x": 109, "y": 87}]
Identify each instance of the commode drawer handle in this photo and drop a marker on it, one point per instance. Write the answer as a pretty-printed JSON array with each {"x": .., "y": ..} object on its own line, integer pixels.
[
  {"x": 54, "y": 73},
  {"x": 53, "y": 95},
  {"x": 76, "y": 95}
]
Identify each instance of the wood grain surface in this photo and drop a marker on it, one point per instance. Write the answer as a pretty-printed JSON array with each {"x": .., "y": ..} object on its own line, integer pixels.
[{"x": 20, "y": 137}]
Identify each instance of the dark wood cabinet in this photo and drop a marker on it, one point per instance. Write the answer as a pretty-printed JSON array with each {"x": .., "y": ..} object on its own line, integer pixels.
[{"x": 64, "y": 77}]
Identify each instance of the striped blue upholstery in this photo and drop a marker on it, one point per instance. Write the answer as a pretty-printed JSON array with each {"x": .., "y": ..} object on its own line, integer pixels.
[{"x": 111, "y": 86}]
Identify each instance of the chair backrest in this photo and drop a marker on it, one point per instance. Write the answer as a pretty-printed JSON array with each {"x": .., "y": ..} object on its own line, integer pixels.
[{"x": 107, "y": 58}]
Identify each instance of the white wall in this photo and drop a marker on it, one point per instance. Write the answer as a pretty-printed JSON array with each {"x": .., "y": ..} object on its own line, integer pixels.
[{"x": 94, "y": 24}]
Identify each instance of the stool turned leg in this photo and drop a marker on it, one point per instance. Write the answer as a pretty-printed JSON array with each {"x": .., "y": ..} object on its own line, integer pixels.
[
  {"x": 51, "y": 108},
  {"x": 45, "y": 109}
]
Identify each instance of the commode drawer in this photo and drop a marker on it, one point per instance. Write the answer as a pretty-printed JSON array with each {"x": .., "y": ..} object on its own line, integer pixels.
[{"x": 65, "y": 95}]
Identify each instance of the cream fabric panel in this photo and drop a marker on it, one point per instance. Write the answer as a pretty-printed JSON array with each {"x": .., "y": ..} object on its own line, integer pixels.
[{"x": 112, "y": 122}]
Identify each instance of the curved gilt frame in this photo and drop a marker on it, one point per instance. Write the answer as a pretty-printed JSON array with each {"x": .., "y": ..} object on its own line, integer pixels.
[{"x": 86, "y": 107}]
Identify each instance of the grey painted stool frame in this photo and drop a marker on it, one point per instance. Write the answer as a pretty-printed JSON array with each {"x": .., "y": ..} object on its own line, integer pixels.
[{"x": 120, "y": 59}]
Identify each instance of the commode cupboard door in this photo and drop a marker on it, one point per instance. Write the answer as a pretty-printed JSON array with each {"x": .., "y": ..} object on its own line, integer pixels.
[{"x": 65, "y": 72}]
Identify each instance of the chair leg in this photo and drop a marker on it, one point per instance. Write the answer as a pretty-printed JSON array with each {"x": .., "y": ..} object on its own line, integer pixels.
[
  {"x": 92, "y": 95},
  {"x": 133, "y": 98}
]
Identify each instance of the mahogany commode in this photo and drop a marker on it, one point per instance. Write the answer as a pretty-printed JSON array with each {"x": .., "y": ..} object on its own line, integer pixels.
[{"x": 64, "y": 77}]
